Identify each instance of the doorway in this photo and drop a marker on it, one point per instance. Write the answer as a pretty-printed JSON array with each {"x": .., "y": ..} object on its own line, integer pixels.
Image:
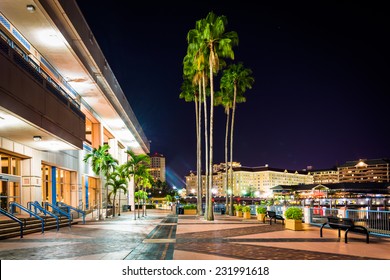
[{"x": 9, "y": 190}]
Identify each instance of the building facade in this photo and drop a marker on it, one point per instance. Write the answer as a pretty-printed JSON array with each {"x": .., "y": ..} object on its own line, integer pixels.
[
  {"x": 325, "y": 176},
  {"x": 250, "y": 181},
  {"x": 363, "y": 170},
  {"x": 157, "y": 167},
  {"x": 59, "y": 100}
]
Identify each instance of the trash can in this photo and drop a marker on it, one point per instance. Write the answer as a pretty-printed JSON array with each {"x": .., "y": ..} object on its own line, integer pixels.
[
  {"x": 223, "y": 211},
  {"x": 125, "y": 208},
  {"x": 180, "y": 210}
]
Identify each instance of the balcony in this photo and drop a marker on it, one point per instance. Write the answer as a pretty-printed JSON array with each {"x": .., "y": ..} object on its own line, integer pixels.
[{"x": 28, "y": 93}]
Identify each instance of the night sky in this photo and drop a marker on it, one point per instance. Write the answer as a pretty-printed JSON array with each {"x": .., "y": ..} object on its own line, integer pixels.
[{"x": 321, "y": 71}]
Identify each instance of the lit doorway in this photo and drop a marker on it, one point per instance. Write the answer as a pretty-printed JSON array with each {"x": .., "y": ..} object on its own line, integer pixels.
[
  {"x": 90, "y": 192},
  {"x": 10, "y": 179},
  {"x": 10, "y": 190},
  {"x": 56, "y": 184}
]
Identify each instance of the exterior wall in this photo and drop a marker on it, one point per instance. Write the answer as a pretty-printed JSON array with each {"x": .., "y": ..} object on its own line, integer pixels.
[
  {"x": 30, "y": 99},
  {"x": 31, "y": 174},
  {"x": 325, "y": 176},
  {"x": 245, "y": 183},
  {"x": 363, "y": 172},
  {"x": 35, "y": 93}
]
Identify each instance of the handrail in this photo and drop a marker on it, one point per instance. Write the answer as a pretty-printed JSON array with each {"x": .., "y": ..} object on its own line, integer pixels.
[
  {"x": 57, "y": 209},
  {"x": 72, "y": 208},
  {"x": 12, "y": 217},
  {"x": 14, "y": 204},
  {"x": 36, "y": 206}
]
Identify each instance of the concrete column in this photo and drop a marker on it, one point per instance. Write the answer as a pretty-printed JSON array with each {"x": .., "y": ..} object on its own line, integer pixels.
[
  {"x": 31, "y": 185},
  {"x": 113, "y": 143},
  {"x": 307, "y": 214}
]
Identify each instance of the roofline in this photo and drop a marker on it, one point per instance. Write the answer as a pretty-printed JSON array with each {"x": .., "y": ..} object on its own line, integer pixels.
[{"x": 72, "y": 24}]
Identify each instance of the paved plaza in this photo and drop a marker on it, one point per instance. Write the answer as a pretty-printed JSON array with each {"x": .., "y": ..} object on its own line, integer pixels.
[{"x": 162, "y": 235}]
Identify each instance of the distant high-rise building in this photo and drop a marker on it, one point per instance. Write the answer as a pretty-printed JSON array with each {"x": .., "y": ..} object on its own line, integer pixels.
[
  {"x": 363, "y": 170},
  {"x": 157, "y": 167}
]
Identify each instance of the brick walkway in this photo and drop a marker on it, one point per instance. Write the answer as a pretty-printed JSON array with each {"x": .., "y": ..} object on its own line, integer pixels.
[{"x": 164, "y": 236}]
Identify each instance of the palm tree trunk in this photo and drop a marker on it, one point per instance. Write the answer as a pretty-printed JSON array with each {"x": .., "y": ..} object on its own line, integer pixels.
[
  {"x": 119, "y": 209},
  {"x": 226, "y": 160},
  {"x": 106, "y": 201},
  {"x": 135, "y": 212},
  {"x": 113, "y": 206},
  {"x": 210, "y": 214},
  {"x": 205, "y": 140},
  {"x": 231, "y": 144},
  {"x": 199, "y": 198},
  {"x": 138, "y": 202}
]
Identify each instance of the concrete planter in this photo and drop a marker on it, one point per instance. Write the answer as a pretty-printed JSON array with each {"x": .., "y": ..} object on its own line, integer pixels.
[
  {"x": 246, "y": 215},
  {"x": 260, "y": 217},
  {"x": 189, "y": 211},
  {"x": 293, "y": 224}
]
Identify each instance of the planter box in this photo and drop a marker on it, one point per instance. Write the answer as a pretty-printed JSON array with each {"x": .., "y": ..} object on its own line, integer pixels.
[
  {"x": 293, "y": 224},
  {"x": 247, "y": 215},
  {"x": 238, "y": 213},
  {"x": 260, "y": 217},
  {"x": 189, "y": 211}
]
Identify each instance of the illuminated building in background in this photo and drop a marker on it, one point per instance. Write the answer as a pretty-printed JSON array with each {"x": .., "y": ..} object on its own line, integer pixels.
[
  {"x": 157, "y": 167},
  {"x": 364, "y": 170},
  {"x": 250, "y": 181}
]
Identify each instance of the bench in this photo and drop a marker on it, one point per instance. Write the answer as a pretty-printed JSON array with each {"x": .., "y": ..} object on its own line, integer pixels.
[
  {"x": 271, "y": 215},
  {"x": 346, "y": 224}
]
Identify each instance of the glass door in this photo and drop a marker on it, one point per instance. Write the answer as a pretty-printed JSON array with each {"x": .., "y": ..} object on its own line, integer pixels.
[
  {"x": 9, "y": 190},
  {"x": 10, "y": 180}
]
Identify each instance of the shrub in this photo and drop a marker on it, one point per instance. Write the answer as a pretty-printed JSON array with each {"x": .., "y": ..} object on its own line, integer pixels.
[
  {"x": 189, "y": 206},
  {"x": 261, "y": 210},
  {"x": 238, "y": 207},
  {"x": 246, "y": 209},
  {"x": 294, "y": 213}
]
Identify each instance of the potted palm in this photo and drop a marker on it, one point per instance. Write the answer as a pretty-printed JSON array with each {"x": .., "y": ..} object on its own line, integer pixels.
[
  {"x": 238, "y": 209},
  {"x": 294, "y": 218},
  {"x": 261, "y": 211},
  {"x": 246, "y": 210}
]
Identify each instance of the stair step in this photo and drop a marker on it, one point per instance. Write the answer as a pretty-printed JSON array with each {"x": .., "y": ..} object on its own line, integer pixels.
[{"x": 10, "y": 228}]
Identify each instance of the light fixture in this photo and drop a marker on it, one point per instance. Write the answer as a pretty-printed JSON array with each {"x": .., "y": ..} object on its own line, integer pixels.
[
  {"x": 30, "y": 8},
  {"x": 37, "y": 138}
]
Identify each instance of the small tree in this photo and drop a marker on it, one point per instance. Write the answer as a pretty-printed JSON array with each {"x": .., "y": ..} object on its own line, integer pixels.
[
  {"x": 117, "y": 182},
  {"x": 102, "y": 164}
]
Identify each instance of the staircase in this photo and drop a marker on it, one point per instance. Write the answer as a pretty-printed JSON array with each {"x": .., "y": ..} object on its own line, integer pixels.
[{"x": 9, "y": 228}]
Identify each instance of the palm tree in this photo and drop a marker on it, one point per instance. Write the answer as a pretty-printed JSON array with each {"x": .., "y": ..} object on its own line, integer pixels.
[
  {"x": 226, "y": 100},
  {"x": 210, "y": 35},
  {"x": 136, "y": 167},
  {"x": 237, "y": 79},
  {"x": 190, "y": 93},
  {"x": 117, "y": 182},
  {"x": 102, "y": 163},
  {"x": 146, "y": 182}
]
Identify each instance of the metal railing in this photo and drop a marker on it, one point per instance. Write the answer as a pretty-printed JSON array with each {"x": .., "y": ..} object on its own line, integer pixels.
[
  {"x": 12, "y": 217},
  {"x": 69, "y": 207},
  {"x": 376, "y": 222},
  {"x": 13, "y": 205},
  {"x": 38, "y": 207},
  {"x": 59, "y": 211},
  {"x": 29, "y": 65}
]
